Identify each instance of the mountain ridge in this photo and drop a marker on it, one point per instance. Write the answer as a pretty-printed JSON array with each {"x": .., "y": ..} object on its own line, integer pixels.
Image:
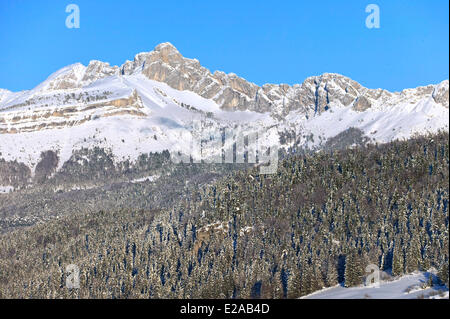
[{"x": 166, "y": 64}]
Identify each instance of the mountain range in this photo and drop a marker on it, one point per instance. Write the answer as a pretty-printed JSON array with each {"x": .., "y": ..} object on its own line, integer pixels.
[{"x": 148, "y": 105}]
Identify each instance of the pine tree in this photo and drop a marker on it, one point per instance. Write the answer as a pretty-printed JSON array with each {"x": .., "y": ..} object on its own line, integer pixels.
[
  {"x": 306, "y": 278},
  {"x": 397, "y": 261},
  {"x": 412, "y": 256},
  {"x": 332, "y": 275},
  {"x": 353, "y": 270},
  {"x": 295, "y": 284},
  {"x": 444, "y": 273}
]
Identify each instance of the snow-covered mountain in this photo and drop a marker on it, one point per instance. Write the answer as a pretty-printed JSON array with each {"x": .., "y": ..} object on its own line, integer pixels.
[{"x": 149, "y": 104}]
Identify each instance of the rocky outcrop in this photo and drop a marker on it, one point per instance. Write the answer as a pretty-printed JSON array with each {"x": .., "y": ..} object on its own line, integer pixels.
[
  {"x": 361, "y": 104},
  {"x": 60, "y": 116},
  {"x": 13, "y": 173},
  {"x": 440, "y": 93},
  {"x": 97, "y": 70},
  {"x": 46, "y": 166}
]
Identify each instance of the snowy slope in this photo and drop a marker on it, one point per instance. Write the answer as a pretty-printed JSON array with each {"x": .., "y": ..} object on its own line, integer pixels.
[
  {"x": 162, "y": 125},
  {"x": 406, "y": 287}
]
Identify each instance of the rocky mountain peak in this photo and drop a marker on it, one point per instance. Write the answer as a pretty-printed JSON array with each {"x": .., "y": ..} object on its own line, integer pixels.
[
  {"x": 97, "y": 70},
  {"x": 166, "y": 53},
  {"x": 166, "y": 48}
]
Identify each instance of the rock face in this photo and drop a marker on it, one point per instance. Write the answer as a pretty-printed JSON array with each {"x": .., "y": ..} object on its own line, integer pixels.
[
  {"x": 440, "y": 93},
  {"x": 315, "y": 95},
  {"x": 98, "y": 70},
  {"x": 70, "y": 112},
  {"x": 361, "y": 104}
]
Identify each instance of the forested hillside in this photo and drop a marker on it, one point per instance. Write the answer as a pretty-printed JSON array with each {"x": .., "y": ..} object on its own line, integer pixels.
[{"x": 319, "y": 221}]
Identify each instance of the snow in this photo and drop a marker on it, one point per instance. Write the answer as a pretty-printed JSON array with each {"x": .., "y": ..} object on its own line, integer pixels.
[
  {"x": 74, "y": 188},
  {"x": 405, "y": 287},
  {"x": 151, "y": 178},
  {"x": 6, "y": 189},
  {"x": 398, "y": 122},
  {"x": 4, "y": 94},
  {"x": 245, "y": 230}
]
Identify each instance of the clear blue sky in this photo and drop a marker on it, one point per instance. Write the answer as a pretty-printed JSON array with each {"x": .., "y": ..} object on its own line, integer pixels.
[{"x": 263, "y": 41}]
